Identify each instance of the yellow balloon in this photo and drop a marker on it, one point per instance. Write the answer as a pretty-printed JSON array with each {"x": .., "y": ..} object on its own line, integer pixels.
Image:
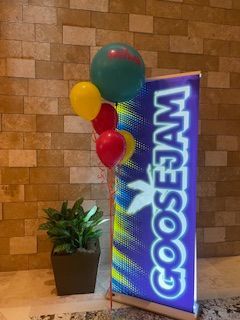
[
  {"x": 85, "y": 100},
  {"x": 130, "y": 145}
]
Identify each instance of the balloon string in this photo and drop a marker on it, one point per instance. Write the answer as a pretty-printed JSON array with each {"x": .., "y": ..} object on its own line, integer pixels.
[
  {"x": 102, "y": 175},
  {"x": 111, "y": 190}
]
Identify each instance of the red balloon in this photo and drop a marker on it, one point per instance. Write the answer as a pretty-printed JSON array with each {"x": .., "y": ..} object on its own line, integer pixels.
[
  {"x": 110, "y": 147},
  {"x": 106, "y": 119}
]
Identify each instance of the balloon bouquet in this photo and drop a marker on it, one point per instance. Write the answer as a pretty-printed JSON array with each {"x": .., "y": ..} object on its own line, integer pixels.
[{"x": 117, "y": 74}]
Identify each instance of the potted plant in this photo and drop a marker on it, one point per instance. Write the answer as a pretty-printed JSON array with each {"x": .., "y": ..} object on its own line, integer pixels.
[{"x": 76, "y": 250}]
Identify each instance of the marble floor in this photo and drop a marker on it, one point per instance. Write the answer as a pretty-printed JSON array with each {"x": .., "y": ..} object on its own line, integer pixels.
[{"x": 28, "y": 293}]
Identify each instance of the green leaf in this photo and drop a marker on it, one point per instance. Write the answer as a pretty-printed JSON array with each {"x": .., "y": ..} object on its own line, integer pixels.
[
  {"x": 46, "y": 226},
  {"x": 64, "y": 208},
  {"x": 53, "y": 214},
  {"x": 90, "y": 213},
  {"x": 102, "y": 221},
  {"x": 72, "y": 228},
  {"x": 63, "y": 248}
]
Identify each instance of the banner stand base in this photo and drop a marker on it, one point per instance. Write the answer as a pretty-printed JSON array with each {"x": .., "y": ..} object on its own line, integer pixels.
[{"x": 153, "y": 307}]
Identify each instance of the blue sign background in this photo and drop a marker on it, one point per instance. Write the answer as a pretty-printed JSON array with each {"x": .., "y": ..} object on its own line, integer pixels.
[{"x": 133, "y": 230}]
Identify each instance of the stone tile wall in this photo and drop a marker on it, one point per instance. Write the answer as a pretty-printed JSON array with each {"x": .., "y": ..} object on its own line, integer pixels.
[{"x": 46, "y": 152}]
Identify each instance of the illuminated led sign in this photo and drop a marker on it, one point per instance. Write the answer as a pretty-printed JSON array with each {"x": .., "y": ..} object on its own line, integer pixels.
[{"x": 155, "y": 219}]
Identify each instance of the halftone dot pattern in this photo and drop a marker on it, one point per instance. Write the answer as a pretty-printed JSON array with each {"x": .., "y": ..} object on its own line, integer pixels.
[{"x": 126, "y": 272}]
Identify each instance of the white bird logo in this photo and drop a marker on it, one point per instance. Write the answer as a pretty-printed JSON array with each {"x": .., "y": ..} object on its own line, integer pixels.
[{"x": 146, "y": 193}]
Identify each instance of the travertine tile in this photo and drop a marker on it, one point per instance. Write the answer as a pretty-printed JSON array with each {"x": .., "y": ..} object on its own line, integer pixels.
[
  {"x": 218, "y": 80},
  {"x": 11, "y": 140},
  {"x": 141, "y": 23},
  {"x": 227, "y": 4},
  {"x": 20, "y": 210},
  {"x": 23, "y": 245},
  {"x": 23, "y": 68},
  {"x": 3, "y": 68},
  {"x": 215, "y": 158},
  {"x": 12, "y": 228},
  {"x": 100, "y": 5},
  {"x": 127, "y": 6},
  {"x": 163, "y": 9},
  {"x": 234, "y": 158},
  {"x": 49, "y": 70},
  {"x": 37, "y": 14},
  {"x": 150, "y": 58},
  {"x": 227, "y": 143},
  {"x": 32, "y": 227},
  {"x": 203, "y": 13},
  {"x": 49, "y": 175},
  {"x": 74, "y": 141},
  {"x": 10, "y": 48},
  {"x": 211, "y": 204},
  {"x": 234, "y": 80},
  {"x": 232, "y": 17},
  {"x": 47, "y": 204},
  {"x": 236, "y": 4},
  {"x": 40, "y": 260},
  {"x": 152, "y": 42},
  {"x": 75, "y": 124},
  {"x": 76, "y": 158},
  {"x": 232, "y": 233},
  {"x": 170, "y": 26},
  {"x": 68, "y": 53},
  {"x": 48, "y": 33},
  {"x": 50, "y": 158},
  {"x": 10, "y": 12},
  {"x": 48, "y": 88},
  {"x": 4, "y": 158},
  {"x": 40, "y": 105},
  {"x": 206, "y": 189},
  {"x": 99, "y": 191},
  {"x": 36, "y": 50},
  {"x": 44, "y": 244},
  {"x": 229, "y": 64},
  {"x": 15, "y": 176},
  {"x": 74, "y": 191},
  {"x": 227, "y": 188},
  {"x": 13, "y": 86},
  {"x": 104, "y": 37},
  {"x": 73, "y": 71},
  {"x": 37, "y": 140},
  {"x": 79, "y": 36},
  {"x": 49, "y": 123},
  {"x": 64, "y": 107},
  {"x": 74, "y": 17},
  {"x": 86, "y": 175},
  {"x": 214, "y": 31},
  {"x": 216, "y": 47},
  {"x": 41, "y": 192},
  {"x": 4, "y": 246},
  {"x": 232, "y": 203},
  {"x": 216, "y": 234},
  {"x": 22, "y": 158},
  {"x": 156, "y": 72},
  {"x": 18, "y": 122},
  {"x": 186, "y": 44},
  {"x": 225, "y": 218},
  {"x": 50, "y": 3},
  {"x": 18, "y": 31},
  {"x": 13, "y": 262},
  {"x": 110, "y": 21}
]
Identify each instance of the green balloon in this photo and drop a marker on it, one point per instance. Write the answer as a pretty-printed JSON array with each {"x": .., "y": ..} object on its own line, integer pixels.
[{"x": 118, "y": 71}]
